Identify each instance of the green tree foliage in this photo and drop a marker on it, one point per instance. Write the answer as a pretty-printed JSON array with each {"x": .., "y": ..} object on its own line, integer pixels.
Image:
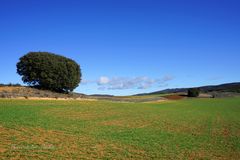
[
  {"x": 49, "y": 71},
  {"x": 193, "y": 92}
]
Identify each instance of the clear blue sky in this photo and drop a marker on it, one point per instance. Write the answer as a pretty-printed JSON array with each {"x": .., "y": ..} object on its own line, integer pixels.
[{"x": 127, "y": 46}]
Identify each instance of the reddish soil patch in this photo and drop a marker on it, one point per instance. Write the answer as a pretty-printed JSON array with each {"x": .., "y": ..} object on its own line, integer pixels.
[{"x": 174, "y": 97}]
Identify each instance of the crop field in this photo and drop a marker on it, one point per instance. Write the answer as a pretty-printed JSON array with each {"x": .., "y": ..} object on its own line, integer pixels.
[{"x": 175, "y": 129}]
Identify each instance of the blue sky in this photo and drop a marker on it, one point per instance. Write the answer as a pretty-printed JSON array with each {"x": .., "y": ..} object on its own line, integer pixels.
[{"x": 127, "y": 46}]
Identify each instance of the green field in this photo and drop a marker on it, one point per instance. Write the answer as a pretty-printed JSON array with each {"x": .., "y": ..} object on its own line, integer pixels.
[{"x": 184, "y": 129}]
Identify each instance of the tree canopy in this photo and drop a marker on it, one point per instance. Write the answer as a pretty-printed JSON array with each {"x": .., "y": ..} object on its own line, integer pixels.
[{"x": 49, "y": 71}]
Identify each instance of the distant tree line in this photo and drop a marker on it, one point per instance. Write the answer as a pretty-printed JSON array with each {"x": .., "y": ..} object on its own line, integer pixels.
[{"x": 10, "y": 85}]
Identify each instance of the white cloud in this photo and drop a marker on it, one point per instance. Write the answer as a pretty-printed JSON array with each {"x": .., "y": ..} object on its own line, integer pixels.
[
  {"x": 103, "y": 80},
  {"x": 121, "y": 83}
]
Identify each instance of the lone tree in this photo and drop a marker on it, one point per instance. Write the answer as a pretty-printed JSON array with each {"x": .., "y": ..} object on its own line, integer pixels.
[
  {"x": 193, "y": 92},
  {"x": 49, "y": 71}
]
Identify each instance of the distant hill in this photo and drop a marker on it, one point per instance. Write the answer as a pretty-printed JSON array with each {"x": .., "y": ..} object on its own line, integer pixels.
[
  {"x": 228, "y": 87},
  {"x": 16, "y": 91},
  {"x": 102, "y": 95}
]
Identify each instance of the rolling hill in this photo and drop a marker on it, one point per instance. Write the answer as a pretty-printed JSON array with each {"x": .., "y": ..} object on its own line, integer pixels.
[{"x": 227, "y": 87}]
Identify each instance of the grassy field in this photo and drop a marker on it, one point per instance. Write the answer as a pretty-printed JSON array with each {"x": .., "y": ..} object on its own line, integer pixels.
[{"x": 184, "y": 129}]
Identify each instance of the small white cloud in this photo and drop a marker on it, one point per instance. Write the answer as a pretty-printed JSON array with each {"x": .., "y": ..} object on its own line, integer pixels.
[{"x": 103, "y": 80}]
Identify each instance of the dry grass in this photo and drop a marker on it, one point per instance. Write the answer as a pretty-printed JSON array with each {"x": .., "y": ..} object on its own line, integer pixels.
[{"x": 10, "y": 89}]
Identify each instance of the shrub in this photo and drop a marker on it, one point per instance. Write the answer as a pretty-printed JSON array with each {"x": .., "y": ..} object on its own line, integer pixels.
[
  {"x": 3, "y": 96},
  {"x": 193, "y": 92},
  {"x": 49, "y": 71}
]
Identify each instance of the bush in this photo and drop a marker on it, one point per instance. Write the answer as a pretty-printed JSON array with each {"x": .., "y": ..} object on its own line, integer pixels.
[
  {"x": 193, "y": 92},
  {"x": 3, "y": 96},
  {"x": 49, "y": 71}
]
